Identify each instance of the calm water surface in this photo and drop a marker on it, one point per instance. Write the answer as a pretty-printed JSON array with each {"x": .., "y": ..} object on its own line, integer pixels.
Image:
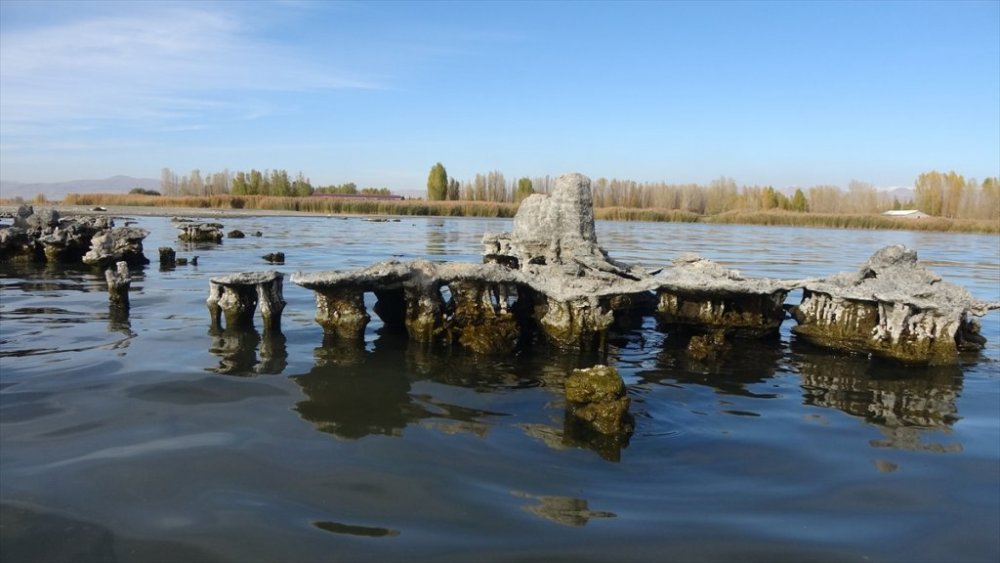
[{"x": 149, "y": 438}]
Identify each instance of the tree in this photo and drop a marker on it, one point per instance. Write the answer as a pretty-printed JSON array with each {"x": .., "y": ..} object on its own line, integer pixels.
[
  {"x": 168, "y": 182},
  {"x": 239, "y": 185},
  {"x": 524, "y": 189},
  {"x": 453, "y": 189},
  {"x": 929, "y": 192},
  {"x": 437, "y": 183},
  {"x": 799, "y": 201}
]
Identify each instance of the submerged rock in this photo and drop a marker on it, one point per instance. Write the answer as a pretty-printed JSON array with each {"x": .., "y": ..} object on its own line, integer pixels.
[
  {"x": 894, "y": 308},
  {"x": 597, "y": 396},
  {"x": 168, "y": 257},
  {"x": 200, "y": 232}
]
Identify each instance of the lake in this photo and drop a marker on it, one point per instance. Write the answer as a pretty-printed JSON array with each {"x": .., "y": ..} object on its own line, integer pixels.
[{"x": 151, "y": 438}]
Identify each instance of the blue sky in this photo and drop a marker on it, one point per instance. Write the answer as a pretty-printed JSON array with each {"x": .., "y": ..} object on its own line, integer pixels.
[{"x": 786, "y": 94}]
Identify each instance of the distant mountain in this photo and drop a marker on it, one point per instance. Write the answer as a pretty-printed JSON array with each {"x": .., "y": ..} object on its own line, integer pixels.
[
  {"x": 902, "y": 194},
  {"x": 58, "y": 190}
]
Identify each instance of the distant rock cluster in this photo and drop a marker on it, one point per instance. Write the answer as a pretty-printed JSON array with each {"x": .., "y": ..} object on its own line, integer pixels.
[{"x": 46, "y": 237}]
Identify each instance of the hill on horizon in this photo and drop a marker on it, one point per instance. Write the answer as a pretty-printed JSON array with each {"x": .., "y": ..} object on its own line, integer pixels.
[{"x": 59, "y": 190}]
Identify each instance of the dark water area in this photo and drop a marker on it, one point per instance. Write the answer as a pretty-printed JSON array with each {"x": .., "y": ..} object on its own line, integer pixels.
[{"x": 150, "y": 437}]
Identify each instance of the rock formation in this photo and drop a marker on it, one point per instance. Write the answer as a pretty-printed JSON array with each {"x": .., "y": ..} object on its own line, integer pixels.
[
  {"x": 45, "y": 236},
  {"x": 116, "y": 245},
  {"x": 119, "y": 280},
  {"x": 550, "y": 276},
  {"x": 894, "y": 308},
  {"x": 699, "y": 294},
  {"x": 236, "y": 296},
  {"x": 200, "y": 232}
]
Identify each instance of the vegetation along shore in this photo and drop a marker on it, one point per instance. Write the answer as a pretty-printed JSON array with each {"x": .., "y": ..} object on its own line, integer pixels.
[{"x": 938, "y": 201}]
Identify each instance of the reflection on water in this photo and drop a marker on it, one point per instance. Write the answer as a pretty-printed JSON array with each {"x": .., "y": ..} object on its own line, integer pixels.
[
  {"x": 237, "y": 349},
  {"x": 734, "y": 370},
  {"x": 908, "y": 404},
  {"x": 576, "y": 434},
  {"x": 567, "y": 511},
  {"x": 353, "y": 393},
  {"x": 354, "y": 530}
]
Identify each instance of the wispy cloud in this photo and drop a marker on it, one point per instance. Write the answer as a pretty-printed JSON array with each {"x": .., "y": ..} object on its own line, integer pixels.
[{"x": 164, "y": 66}]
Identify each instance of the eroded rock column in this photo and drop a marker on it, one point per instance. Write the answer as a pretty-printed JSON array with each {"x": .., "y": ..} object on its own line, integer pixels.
[
  {"x": 581, "y": 322},
  {"x": 482, "y": 318},
  {"x": 425, "y": 313},
  {"x": 341, "y": 312},
  {"x": 119, "y": 282}
]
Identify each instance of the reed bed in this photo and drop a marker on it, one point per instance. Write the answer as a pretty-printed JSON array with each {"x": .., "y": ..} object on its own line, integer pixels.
[
  {"x": 847, "y": 221},
  {"x": 648, "y": 214},
  {"x": 326, "y": 205},
  {"x": 415, "y": 207}
]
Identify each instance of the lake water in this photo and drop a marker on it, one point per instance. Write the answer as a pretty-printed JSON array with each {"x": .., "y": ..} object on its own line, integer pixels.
[{"x": 148, "y": 438}]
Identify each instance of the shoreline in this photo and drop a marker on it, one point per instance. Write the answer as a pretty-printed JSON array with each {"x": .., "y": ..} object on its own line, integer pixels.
[{"x": 763, "y": 219}]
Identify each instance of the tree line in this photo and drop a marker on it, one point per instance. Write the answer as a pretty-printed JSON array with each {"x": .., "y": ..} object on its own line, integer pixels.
[
  {"x": 948, "y": 195},
  {"x": 255, "y": 182}
]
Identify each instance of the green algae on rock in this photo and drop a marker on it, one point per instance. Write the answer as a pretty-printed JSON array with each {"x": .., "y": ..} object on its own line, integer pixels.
[{"x": 596, "y": 396}]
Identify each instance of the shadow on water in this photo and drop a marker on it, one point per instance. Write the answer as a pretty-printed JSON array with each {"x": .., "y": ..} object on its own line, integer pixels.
[{"x": 908, "y": 404}]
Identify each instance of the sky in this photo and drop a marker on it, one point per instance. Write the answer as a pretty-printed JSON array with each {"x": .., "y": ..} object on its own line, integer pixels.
[{"x": 767, "y": 93}]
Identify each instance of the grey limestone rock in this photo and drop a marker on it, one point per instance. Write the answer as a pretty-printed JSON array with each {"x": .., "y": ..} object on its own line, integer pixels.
[
  {"x": 118, "y": 244},
  {"x": 891, "y": 307}
]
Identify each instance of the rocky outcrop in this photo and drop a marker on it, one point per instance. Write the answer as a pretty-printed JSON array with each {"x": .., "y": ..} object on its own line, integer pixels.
[
  {"x": 549, "y": 276},
  {"x": 236, "y": 297},
  {"x": 577, "y": 289},
  {"x": 480, "y": 312},
  {"x": 45, "y": 236},
  {"x": 117, "y": 245},
  {"x": 700, "y": 294},
  {"x": 200, "y": 232},
  {"x": 894, "y": 308}
]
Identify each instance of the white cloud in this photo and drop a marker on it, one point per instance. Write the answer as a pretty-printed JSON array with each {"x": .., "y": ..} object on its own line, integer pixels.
[{"x": 175, "y": 64}]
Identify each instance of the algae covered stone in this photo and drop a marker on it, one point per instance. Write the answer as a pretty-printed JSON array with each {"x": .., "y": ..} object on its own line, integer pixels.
[{"x": 596, "y": 395}]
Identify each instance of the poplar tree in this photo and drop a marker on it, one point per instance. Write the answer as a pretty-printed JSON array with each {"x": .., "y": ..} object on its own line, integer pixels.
[{"x": 437, "y": 183}]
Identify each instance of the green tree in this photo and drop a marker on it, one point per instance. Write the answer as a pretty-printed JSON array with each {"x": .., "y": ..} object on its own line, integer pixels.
[
  {"x": 929, "y": 192},
  {"x": 799, "y": 201},
  {"x": 239, "y": 185},
  {"x": 524, "y": 189},
  {"x": 437, "y": 183}
]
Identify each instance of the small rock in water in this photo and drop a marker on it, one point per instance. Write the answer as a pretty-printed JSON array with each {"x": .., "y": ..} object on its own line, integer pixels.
[
  {"x": 597, "y": 395},
  {"x": 275, "y": 257}
]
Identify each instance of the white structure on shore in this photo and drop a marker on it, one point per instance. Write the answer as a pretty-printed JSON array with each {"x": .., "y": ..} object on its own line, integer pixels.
[{"x": 906, "y": 213}]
